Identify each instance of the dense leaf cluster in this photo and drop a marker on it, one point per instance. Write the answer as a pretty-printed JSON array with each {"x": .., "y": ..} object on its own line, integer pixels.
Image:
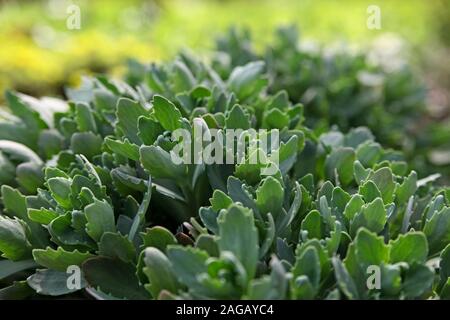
[
  {"x": 349, "y": 88},
  {"x": 90, "y": 183},
  {"x": 338, "y": 86}
]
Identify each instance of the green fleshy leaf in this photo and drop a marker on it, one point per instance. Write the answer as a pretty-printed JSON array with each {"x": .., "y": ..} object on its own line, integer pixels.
[
  {"x": 444, "y": 264},
  {"x": 158, "y": 237},
  {"x": 85, "y": 118},
  {"x": 360, "y": 173},
  {"x": 275, "y": 119},
  {"x": 86, "y": 143},
  {"x": 17, "y": 291},
  {"x": 62, "y": 232},
  {"x": 372, "y": 216},
  {"x": 187, "y": 263},
  {"x": 159, "y": 272},
  {"x": 418, "y": 280},
  {"x": 370, "y": 249},
  {"x": 314, "y": 225},
  {"x": 159, "y": 163},
  {"x": 115, "y": 245},
  {"x": 308, "y": 264},
  {"x": 50, "y": 143},
  {"x": 59, "y": 259},
  {"x": 61, "y": 190},
  {"x": 407, "y": 188},
  {"x": 149, "y": 130},
  {"x": 14, "y": 243},
  {"x": 344, "y": 280},
  {"x": 340, "y": 162},
  {"x": 100, "y": 218},
  {"x": 167, "y": 113},
  {"x": 437, "y": 230},
  {"x": 246, "y": 80},
  {"x": 369, "y": 153},
  {"x": 353, "y": 206},
  {"x": 384, "y": 180},
  {"x": 114, "y": 277},
  {"x": 128, "y": 113},
  {"x": 220, "y": 200},
  {"x": 237, "y": 233},
  {"x": 52, "y": 283},
  {"x": 124, "y": 148},
  {"x": 369, "y": 191},
  {"x": 270, "y": 196},
  {"x": 8, "y": 267},
  {"x": 237, "y": 119},
  {"x": 410, "y": 248}
]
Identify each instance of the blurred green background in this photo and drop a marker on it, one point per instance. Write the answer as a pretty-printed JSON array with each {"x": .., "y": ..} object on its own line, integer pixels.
[{"x": 39, "y": 54}]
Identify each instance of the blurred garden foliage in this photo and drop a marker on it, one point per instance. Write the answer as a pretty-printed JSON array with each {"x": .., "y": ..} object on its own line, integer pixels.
[{"x": 39, "y": 54}]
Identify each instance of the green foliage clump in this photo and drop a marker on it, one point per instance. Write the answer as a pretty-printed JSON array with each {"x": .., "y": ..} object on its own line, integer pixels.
[
  {"x": 90, "y": 183},
  {"x": 337, "y": 86},
  {"x": 348, "y": 88}
]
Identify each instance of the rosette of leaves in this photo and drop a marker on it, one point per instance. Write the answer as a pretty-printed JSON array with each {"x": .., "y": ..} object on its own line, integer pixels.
[
  {"x": 189, "y": 184},
  {"x": 142, "y": 140}
]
